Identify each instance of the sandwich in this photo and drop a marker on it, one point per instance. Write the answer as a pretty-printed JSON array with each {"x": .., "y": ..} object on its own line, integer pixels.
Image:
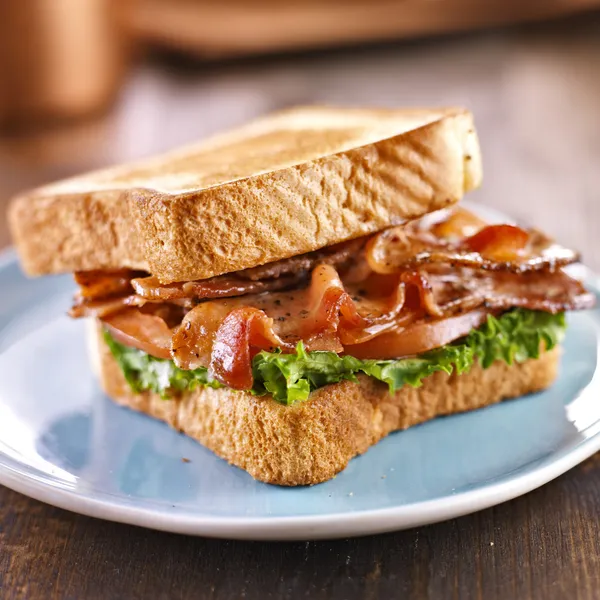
[{"x": 292, "y": 291}]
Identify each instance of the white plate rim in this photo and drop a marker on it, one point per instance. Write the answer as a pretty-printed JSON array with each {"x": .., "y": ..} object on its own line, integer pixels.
[{"x": 306, "y": 527}]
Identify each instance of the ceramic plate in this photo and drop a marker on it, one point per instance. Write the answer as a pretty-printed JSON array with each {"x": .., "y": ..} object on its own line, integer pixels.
[{"x": 63, "y": 442}]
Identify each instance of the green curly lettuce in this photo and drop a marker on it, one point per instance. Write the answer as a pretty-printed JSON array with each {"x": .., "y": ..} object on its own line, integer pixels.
[
  {"x": 515, "y": 336},
  {"x": 147, "y": 373}
]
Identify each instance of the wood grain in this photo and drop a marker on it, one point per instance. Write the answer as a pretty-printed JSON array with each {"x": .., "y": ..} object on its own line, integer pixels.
[
  {"x": 535, "y": 93},
  {"x": 237, "y": 28},
  {"x": 542, "y": 546}
]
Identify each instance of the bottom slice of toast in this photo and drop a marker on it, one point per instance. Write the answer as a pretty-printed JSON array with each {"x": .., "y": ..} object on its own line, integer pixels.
[{"x": 311, "y": 441}]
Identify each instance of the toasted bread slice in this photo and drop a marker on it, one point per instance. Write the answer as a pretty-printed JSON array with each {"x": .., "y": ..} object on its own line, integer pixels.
[
  {"x": 286, "y": 184},
  {"x": 310, "y": 442}
]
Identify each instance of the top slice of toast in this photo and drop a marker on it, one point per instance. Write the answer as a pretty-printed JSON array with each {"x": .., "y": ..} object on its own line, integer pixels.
[{"x": 286, "y": 184}]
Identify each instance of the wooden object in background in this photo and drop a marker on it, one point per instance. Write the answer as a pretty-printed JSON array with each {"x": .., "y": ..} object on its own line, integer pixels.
[
  {"x": 58, "y": 58},
  {"x": 218, "y": 28}
]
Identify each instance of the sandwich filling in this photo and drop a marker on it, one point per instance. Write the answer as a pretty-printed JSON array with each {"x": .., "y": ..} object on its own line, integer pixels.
[{"x": 434, "y": 294}]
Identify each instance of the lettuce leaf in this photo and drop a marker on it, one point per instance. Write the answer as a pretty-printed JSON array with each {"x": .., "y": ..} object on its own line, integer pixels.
[
  {"x": 144, "y": 372},
  {"x": 515, "y": 336}
]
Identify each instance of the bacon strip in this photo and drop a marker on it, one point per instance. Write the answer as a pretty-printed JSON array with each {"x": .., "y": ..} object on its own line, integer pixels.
[
  {"x": 452, "y": 290},
  {"x": 332, "y": 255},
  {"x": 275, "y": 276},
  {"x": 330, "y": 310},
  {"x": 102, "y": 308},
  {"x": 151, "y": 290},
  {"x": 148, "y": 333},
  {"x": 493, "y": 248},
  {"x": 242, "y": 334},
  {"x": 410, "y": 290},
  {"x": 192, "y": 342},
  {"x": 104, "y": 292},
  {"x": 102, "y": 284},
  {"x": 424, "y": 310}
]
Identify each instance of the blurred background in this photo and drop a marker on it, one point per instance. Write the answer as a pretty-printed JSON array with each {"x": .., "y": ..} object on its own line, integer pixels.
[{"x": 87, "y": 83}]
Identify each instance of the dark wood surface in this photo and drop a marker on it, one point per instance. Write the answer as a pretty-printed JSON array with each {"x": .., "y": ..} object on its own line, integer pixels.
[
  {"x": 545, "y": 545},
  {"x": 536, "y": 96}
]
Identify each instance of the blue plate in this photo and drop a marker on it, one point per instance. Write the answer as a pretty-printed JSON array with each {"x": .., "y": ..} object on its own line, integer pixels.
[{"x": 63, "y": 442}]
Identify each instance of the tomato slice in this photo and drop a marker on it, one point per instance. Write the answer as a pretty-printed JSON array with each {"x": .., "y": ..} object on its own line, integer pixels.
[{"x": 418, "y": 338}]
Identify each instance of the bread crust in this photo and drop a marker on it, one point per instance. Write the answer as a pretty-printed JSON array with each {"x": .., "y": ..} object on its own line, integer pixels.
[
  {"x": 310, "y": 442},
  {"x": 287, "y": 184}
]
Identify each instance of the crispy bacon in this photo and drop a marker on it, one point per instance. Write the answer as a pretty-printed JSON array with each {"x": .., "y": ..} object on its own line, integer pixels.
[
  {"x": 330, "y": 310},
  {"x": 449, "y": 290},
  {"x": 323, "y": 315},
  {"x": 193, "y": 340},
  {"x": 102, "y": 293},
  {"x": 148, "y": 333},
  {"x": 409, "y": 290},
  {"x": 279, "y": 275},
  {"x": 103, "y": 284},
  {"x": 499, "y": 243},
  {"x": 226, "y": 286},
  {"x": 332, "y": 255},
  {"x": 493, "y": 248},
  {"x": 244, "y": 332},
  {"x": 213, "y": 334},
  {"x": 101, "y": 308},
  {"x": 423, "y": 311}
]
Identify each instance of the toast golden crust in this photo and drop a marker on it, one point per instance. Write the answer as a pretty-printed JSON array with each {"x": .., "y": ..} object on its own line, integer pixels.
[
  {"x": 310, "y": 442},
  {"x": 287, "y": 184}
]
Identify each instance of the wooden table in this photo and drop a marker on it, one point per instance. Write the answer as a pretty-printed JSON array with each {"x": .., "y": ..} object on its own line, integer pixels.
[{"x": 536, "y": 95}]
